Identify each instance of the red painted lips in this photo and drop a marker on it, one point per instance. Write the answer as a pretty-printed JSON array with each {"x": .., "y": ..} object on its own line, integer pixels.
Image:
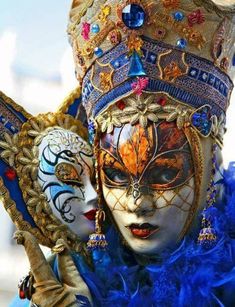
[
  {"x": 143, "y": 231},
  {"x": 90, "y": 215}
]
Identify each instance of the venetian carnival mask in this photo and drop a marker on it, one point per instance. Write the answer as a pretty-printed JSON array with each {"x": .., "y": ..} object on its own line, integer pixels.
[
  {"x": 65, "y": 171},
  {"x": 155, "y": 84},
  {"x": 49, "y": 187},
  {"x": 151, "y": 177},
  {"x": 148, "y": 183}
]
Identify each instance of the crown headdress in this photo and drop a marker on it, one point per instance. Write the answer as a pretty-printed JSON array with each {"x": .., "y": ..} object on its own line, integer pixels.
[{"x": 183, "y": 50}]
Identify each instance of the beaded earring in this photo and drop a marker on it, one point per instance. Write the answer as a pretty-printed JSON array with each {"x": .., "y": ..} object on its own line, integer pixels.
[
  {"x": 97, "y": 240},
  {"x": 207, "y": 236}
]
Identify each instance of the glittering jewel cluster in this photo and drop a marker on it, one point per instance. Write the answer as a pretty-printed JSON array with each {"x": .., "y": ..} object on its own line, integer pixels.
[
  {"x": 133, "y": 17},
  {"x": 208, "y": 236},
  {"x": 91, "y": 131},
  {"x": 202, "y": 121},
  {"x": 212, "y": 190}
]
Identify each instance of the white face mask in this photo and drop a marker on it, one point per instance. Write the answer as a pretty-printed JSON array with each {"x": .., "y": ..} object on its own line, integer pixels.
[
  {"x": 65, "y": 171},
  {"x": 148, "y": 184}
]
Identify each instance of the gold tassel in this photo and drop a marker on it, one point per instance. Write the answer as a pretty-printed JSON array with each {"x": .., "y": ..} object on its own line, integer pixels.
[{"x": 97, "y": 239}]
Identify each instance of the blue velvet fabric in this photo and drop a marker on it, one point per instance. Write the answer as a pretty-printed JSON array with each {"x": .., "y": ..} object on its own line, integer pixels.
[{"x": 16, "y": 194}]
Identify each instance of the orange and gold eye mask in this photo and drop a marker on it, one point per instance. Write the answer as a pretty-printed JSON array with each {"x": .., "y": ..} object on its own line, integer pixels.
[{"x": 157, "y": 157}]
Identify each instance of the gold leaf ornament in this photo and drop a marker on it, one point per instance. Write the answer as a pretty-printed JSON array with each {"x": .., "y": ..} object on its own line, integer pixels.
[
  {"x": 142, "y": 110},
  {"x": 10, "y": 147},
  {"x": 179, "y": 113}
]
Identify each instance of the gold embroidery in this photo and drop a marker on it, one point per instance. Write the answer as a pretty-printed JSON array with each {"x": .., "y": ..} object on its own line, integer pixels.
[
  {"x": 172, "y": 71},
  {"x": 88, "y": 50},
  {"x": 105, "y": 12},
  {"x": 106, "y": 81}
]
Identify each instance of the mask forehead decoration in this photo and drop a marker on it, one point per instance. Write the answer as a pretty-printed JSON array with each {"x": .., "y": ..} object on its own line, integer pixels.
[{"x": 169, "y": 46}]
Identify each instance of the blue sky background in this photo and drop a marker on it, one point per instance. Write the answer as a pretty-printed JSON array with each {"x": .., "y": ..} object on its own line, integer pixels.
[{"x": 40, "y": 27}]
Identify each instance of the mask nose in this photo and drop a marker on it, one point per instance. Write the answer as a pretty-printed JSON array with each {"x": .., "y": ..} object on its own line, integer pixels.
[
  {"x": 145, "y": 206},
  {"x": 140, "y": 201}
]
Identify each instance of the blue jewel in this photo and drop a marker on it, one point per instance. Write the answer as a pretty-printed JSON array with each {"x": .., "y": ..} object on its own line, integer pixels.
[
  {"x": 95, "y": 28},
  {"x": 153, "y": 58},
  {"x": 116, "y": 64},
  {"x": 178, "y": 16},
  {"x": 181, "y": 43},
  {"x": 91, "y": 131},
  {"x": 98, "y": 52},
  {"x": 133, "y": 16},
  {"x": 233, "y": 61},
  {"x": 196, "y": 120},
  {"x": 201, "y": 121},
  {"x": 136, "y": 66}
]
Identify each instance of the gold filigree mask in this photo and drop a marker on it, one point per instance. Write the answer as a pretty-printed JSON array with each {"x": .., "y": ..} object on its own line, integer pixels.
[{"x": 148, "y": 179}]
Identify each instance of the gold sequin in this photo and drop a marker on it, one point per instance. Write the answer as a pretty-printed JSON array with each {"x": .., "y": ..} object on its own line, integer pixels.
[
  {"x": 106, "y": 81},
  {"x": 134, "y": 43},
  {"x": 105, "y": 12},
  {"x": 172, "y": 71}
]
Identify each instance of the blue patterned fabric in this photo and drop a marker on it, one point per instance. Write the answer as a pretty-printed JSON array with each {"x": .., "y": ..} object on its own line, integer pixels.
[
  {"x": 15, "y": 193},
  {"x": 199, "y": 76}
]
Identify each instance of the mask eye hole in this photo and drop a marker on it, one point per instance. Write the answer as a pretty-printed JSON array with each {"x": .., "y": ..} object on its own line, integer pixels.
[
  {"x": 162, "y": 175},
  {"x": 68, "y": 174},
  {"x": 115, "y": 176},
  {"x": 169, "y": 170}
]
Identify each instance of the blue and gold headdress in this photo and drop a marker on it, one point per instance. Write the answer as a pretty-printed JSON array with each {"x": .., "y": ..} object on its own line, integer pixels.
[
  {"x": 181, "y": 51},
  {"x": 184, "y": 48}
]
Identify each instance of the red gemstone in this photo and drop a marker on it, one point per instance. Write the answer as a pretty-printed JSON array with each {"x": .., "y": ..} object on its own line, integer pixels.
[
  {"x": 22, "y": 295},
  {"x": 196, "y": 17},
  {"x": 162, "y": 101},
  {"x": 121, "y": 105},
  {"x": 10, "y": 174}
]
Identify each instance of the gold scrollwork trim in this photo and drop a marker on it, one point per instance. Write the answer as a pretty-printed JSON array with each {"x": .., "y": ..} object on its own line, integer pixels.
[
  {"x": 13, "y": 104},
  {"x": 79, "y": 9},
  {"x": 69, "y": 100},
  {"x": 17, "y": 217},
  {"x": 199, "y": 169}
]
